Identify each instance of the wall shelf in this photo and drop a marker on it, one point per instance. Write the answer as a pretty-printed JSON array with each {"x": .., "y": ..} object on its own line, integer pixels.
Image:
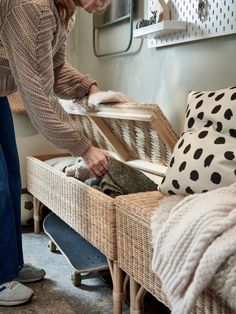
[
  {"x": 220, "y": 21},
  {"x": 161, "y": 29}
]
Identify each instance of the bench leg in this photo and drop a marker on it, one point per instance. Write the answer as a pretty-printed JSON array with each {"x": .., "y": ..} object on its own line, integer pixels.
[
  {"x": 37, "y": 214},
  {"x": 137, "y": 294},
  {"x": 118, "y": 286}
]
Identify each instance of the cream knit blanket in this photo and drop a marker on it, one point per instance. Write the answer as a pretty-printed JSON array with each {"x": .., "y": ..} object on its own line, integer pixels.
[{"x": 194, "y": 241}]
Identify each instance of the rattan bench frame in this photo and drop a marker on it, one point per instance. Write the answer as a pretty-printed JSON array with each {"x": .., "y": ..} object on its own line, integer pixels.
[{"x": 134, "y": 132}]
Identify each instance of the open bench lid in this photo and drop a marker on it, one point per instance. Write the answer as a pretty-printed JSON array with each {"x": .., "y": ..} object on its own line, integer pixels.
[{"x": 139, "y": 134}]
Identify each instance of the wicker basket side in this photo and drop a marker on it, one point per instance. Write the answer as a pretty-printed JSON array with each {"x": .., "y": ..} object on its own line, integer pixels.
[
  {"x": 135, "y": 250},
  {"x": 133, "y": 240},
  {"x": 88, "y": 211}
]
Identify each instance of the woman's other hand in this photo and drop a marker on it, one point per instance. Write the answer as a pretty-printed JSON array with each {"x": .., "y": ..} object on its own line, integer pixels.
[{"x": 96, "y": 160}]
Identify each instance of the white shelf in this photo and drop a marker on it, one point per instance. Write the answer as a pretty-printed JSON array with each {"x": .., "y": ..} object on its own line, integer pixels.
[{"x": 160, "y": 29}]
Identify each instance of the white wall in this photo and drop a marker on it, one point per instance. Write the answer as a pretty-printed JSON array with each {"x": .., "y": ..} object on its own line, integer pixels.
[{"x": 163, "y": 75}]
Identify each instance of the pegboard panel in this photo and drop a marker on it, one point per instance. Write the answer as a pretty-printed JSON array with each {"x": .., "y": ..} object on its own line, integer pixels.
[{"x": 220, "y": 21}]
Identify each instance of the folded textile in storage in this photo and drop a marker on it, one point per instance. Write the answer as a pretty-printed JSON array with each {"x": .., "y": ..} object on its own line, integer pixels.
[
  {"x": 190, "y": 246},
  {"x": 122, "y": 179}
]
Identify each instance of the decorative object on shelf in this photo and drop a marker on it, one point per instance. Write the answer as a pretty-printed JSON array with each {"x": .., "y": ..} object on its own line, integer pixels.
[
  {"x": 142, "y": 22},
  {"x": 153, "y": 18},
  {"x": 160, "y": 12},
  {"x": 163, "y": 10},
  {"x": 202, "y": 10}
]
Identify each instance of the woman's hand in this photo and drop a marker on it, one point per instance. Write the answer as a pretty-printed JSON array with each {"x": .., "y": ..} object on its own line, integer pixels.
[
  {"x": 96, "y": 160},
  {"x": 93, "y": 90}
]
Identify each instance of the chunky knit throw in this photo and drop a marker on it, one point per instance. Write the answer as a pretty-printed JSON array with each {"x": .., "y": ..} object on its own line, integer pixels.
[
  {"x": 196, "y": 239},
  {"x": 32, "y": 61}
]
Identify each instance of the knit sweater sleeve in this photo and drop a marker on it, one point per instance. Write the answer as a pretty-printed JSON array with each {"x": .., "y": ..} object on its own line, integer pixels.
[
  {"x": 69, "y": 82},
  {"x": 27, "y": 35}
]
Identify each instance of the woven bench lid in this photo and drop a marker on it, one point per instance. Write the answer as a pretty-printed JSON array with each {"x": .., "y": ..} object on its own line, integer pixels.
[{"x": 139, "y": 134}]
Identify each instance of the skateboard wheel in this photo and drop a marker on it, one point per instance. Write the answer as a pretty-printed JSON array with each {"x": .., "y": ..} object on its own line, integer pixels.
[
  {"x": 52, "y": 246},
  {"x": 76, "y": 279}
]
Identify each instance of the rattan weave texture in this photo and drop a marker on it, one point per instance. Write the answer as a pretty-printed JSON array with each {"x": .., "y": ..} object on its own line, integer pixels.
[
  {"x": 86, "y": 210},
  {"x": 133, "y": 214}
]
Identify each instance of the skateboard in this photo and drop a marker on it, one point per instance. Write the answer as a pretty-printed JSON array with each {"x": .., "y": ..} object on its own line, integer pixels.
[{"x": 85, "y": 259}]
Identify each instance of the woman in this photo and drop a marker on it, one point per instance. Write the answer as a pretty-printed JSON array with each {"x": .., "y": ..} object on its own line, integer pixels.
[{"x": 32, "y": 61}]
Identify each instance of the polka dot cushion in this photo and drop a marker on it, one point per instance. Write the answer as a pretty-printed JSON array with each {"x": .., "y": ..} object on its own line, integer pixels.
[{"x": 204, "y": 157}]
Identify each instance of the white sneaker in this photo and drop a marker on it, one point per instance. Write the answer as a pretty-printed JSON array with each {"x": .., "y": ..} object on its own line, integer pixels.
[
  {"x": 29, "y": 273},
  {"x": 14, "y": 293}
]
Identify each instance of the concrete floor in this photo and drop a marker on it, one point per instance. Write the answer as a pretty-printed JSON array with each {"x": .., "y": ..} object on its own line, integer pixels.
[{"x": 56, "y": 293}]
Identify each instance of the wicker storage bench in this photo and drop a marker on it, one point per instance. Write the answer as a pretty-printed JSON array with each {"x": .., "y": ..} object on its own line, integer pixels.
[
  {"x": 139, "y": 135},
  {"x": 135, "y": 254}
]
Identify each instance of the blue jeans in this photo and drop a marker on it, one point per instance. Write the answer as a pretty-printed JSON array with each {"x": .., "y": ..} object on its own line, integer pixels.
[{"x": 11, "y": 255}]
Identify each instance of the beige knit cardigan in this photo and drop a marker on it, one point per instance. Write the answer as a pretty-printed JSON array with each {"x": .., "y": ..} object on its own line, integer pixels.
[{"x": 32, "y": 61}]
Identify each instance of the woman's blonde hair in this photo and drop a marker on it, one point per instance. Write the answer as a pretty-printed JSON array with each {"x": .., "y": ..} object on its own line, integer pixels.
[{"x": 66, "y": 9}]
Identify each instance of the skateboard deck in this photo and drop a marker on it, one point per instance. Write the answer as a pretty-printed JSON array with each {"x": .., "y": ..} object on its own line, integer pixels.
[{"x": 81, "y": 254}]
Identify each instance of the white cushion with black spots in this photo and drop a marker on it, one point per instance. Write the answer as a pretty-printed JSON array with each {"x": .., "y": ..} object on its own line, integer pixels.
[{"x": 204, "y": 157}]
